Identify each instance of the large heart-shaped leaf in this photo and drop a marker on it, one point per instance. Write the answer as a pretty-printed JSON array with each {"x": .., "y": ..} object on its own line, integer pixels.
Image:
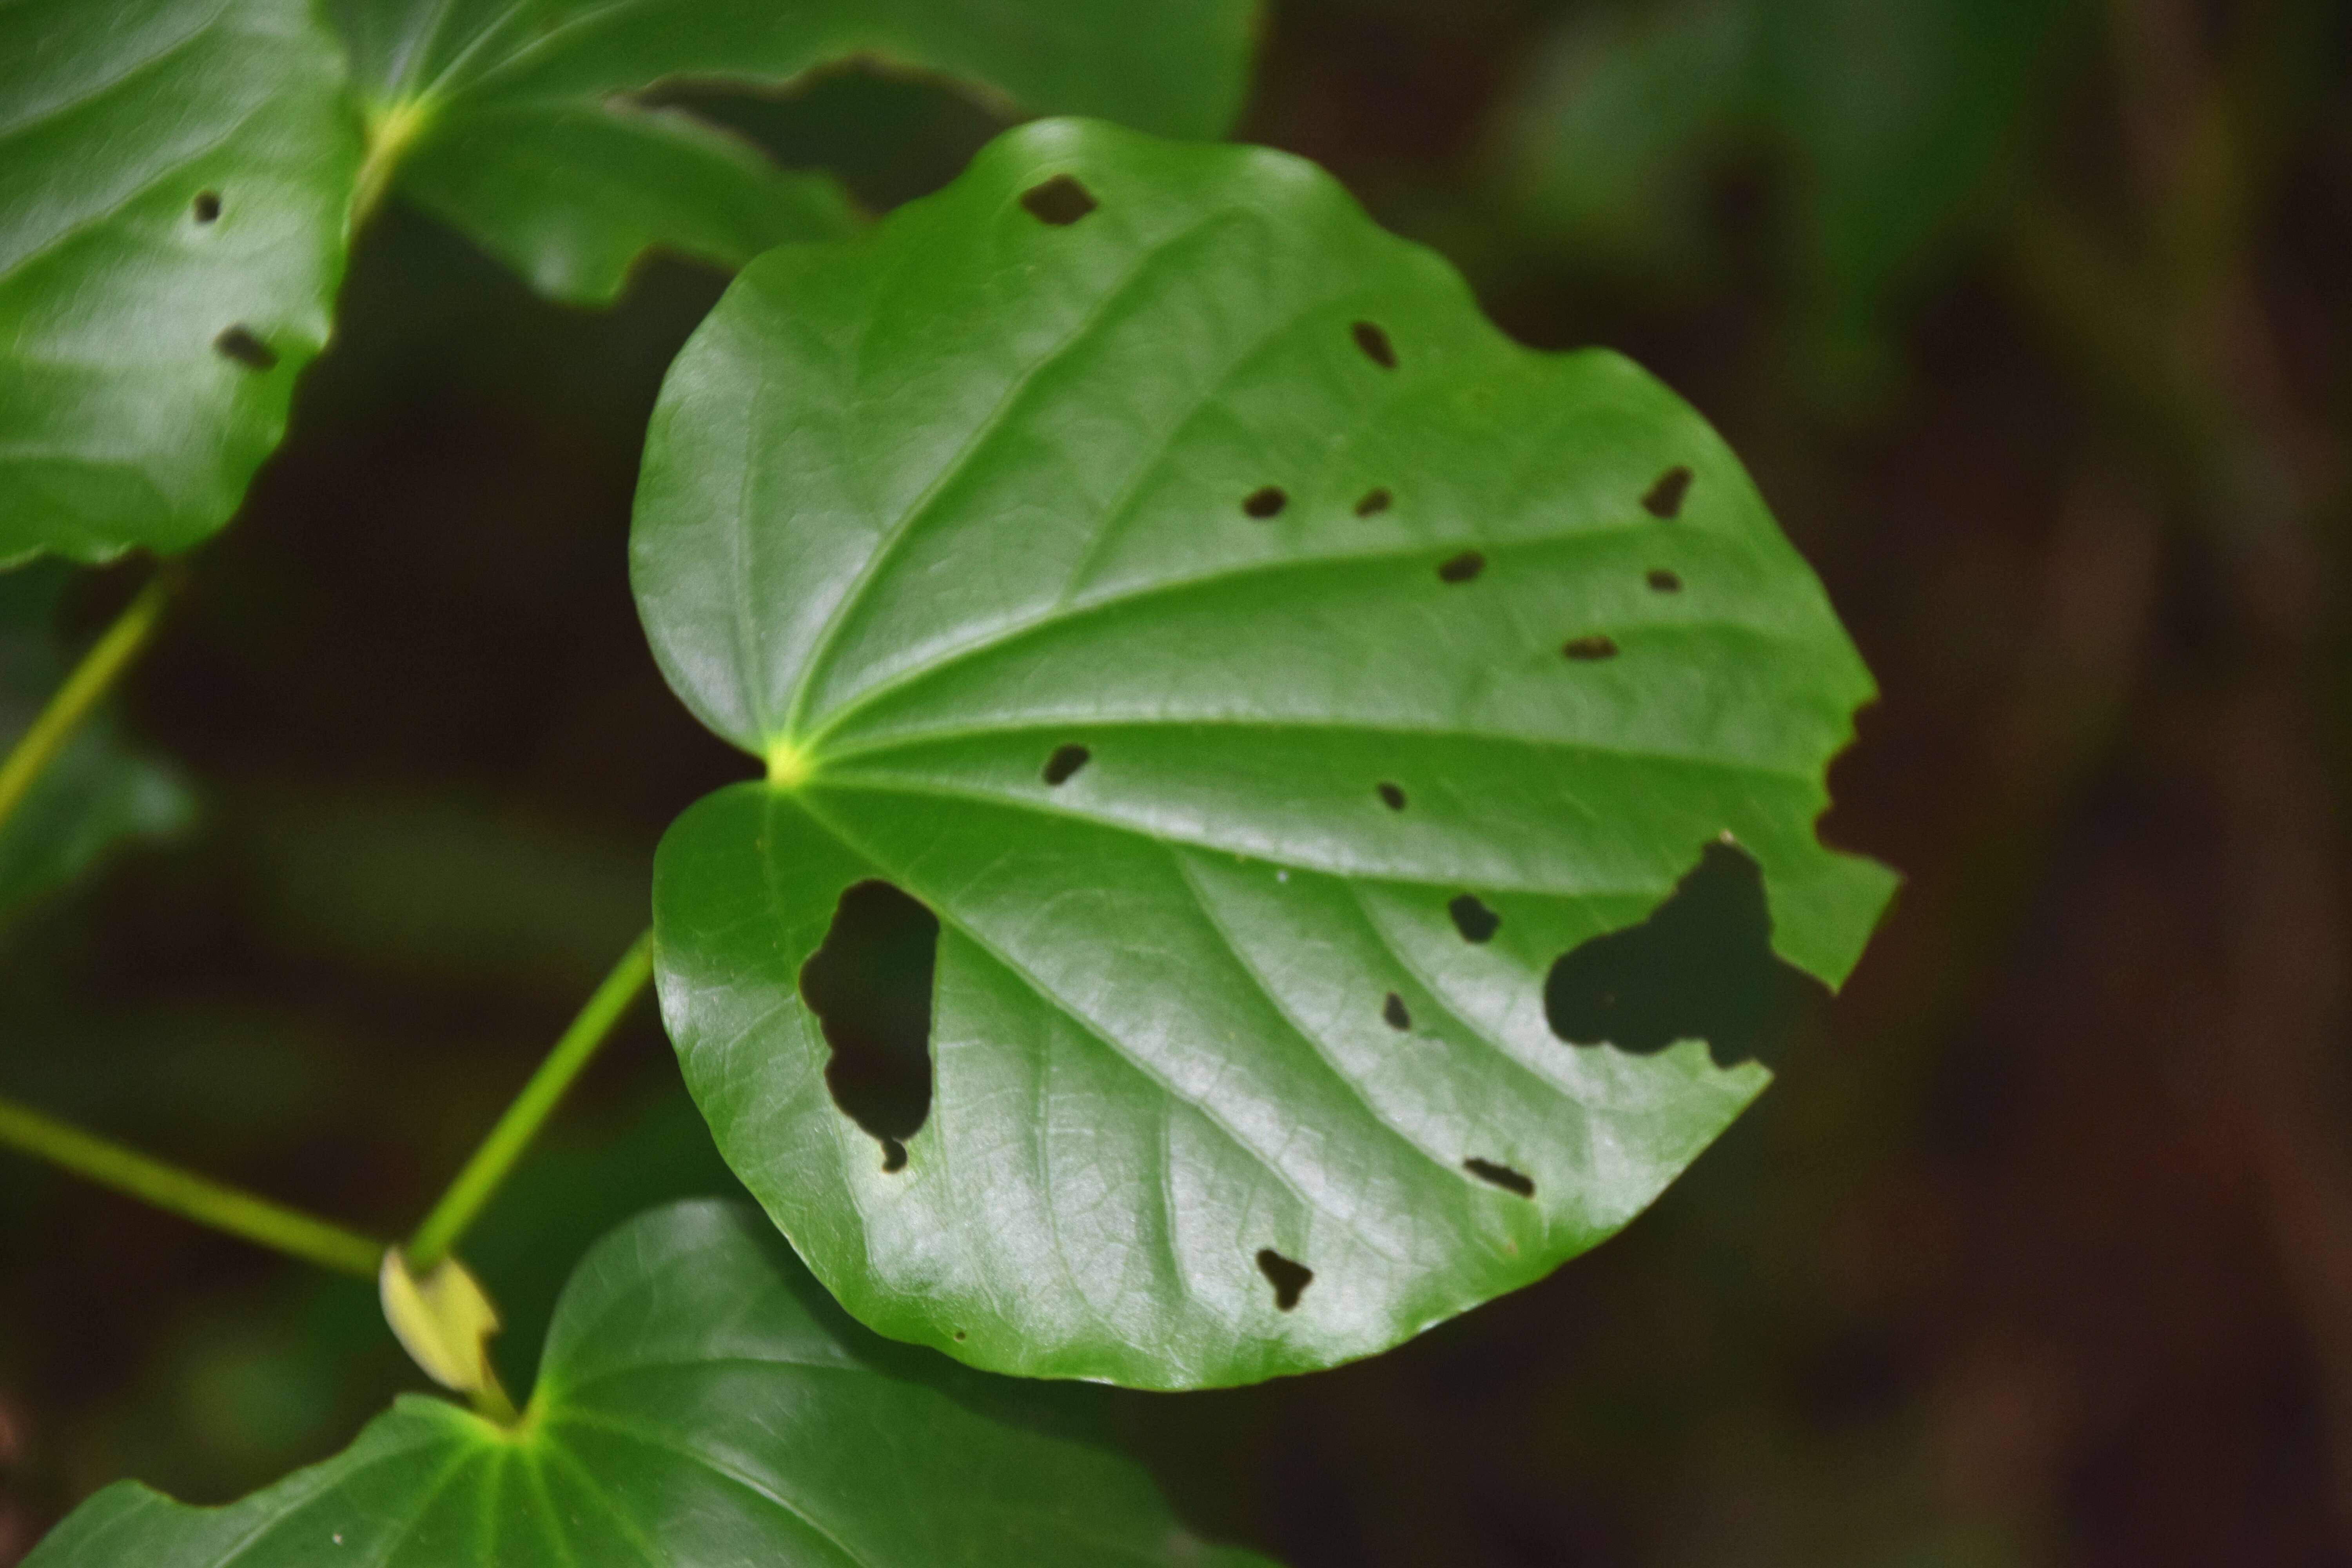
[
  {"x": 513, "y": 120},
  {"x": 1265, "y": 671},
  {"x": 700, "y": 1404},
  {"x": 173, "y": 180}
]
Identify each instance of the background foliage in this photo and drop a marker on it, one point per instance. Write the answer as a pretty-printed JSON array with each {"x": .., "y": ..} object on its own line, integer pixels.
[{"x": 2036, "y": 1252}]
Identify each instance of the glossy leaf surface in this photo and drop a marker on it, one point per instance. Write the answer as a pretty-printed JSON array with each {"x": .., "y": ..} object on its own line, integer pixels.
[
  {"x": 701, "y": 1404},
  {"x": 174, "y": 176},
  {"x": 1265, "y": 671},
  {"x": 513, "y": 121}
]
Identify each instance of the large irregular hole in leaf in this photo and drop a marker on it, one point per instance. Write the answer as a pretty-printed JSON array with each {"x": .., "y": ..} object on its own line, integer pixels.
[
  {"x": 239, "y": 344},
  {"x": 870, "y": 988},
  {"x": 1288, "y": 1278},
  {"x": 1060, "y": 201},
  {"x": 1265, "y": 501},
  {"x": 1700, "y": 968},
  {"x": 1376, "y": 345},
  {"x": 1502, "y": 1176},
  {"x": 1665, "y": 498},
  {"x": 1473, "y": 919},
  {"x": 1064, "y": 761}
]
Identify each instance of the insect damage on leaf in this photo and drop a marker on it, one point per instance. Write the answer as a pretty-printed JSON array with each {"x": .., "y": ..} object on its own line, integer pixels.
[
  {"x": 1288, "y": 1278},
  {"x": 870, "y": 988},
  {"x": 1130, "y": 490},
  {"x": 1060, "y": 201}
]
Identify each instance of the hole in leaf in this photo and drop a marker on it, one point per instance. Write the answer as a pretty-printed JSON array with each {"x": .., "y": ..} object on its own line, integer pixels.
[
  {"x": 207, "y": 207},
  {"x": 960, "y": 1336},
  {"x": 1391, "y": 796},
  {"x": 1394, "y": 1012},
  {"x": 1265, "y": 502},
  {"x": 1376, "y": 345},
  {"x": 1700, "y": 968},
  {"x": 1065, "y": 761},
  {"x": 1665, "y": 496},
  {"x": 239, "y": 344},
  {"x": 870, "y": 988},
  {"x": 1374, "y": 503},
  {"x": 1287, "y": 1278},
  {"x": 1503, "y": 1176},
  {"x": 1665, "y": 582},
  {"x": 1461, "y": 568},
  {"x": 1590, "y": 647},
  {"x": 1060, "y": 201},
  {"x": 1473, "y": 919}
]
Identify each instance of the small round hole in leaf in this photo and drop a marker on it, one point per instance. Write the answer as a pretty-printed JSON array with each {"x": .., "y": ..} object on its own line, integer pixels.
[
  {"x": 1391, "y": 796},
  {"x": 1395, "y": 1014},
  {"x": 1461, "y": 568},
  {"x": 1376, "y": 345},
  {"x": 1266, "y": 501},
  {"x": 1502, "y": 1176},
  {"x": 239, "y": 344},
  {"x": 1473, "y": 919},
  {"x": 1590, "y": 647},
  {"x": 207, "y": 207},
  {"x": 1289, "y": 1279},
  {"x": 1665, "y": 498},
  {"x": 1065, "y": 761},
  {"x": 1374, "y": 503},
  {"x": 1664, "y": 582},
  {"x": 1060, "y": 201}
]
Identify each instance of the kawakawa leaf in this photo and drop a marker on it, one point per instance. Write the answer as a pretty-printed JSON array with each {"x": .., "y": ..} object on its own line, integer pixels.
[
  {"x": 174, "y": 176},
  {"x": 1265, "y": 672},
  {"x": 700, "y": 1404},
  {"x": 514, "y": 118}
]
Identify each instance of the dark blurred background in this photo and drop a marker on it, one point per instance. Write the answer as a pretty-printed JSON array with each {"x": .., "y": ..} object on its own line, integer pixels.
[{"x": 2033, "y": 318}]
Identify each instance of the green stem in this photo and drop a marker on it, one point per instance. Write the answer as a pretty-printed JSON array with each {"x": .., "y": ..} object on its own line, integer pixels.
[
  {"x": 191, "y": 1196},
  {"x": 496, "y": 1156},
  {"x": 91, "y": 678}
]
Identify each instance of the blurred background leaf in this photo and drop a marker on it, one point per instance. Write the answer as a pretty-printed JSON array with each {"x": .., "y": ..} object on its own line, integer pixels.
[
  {"x": 1886, "y": 129},
  {"x": 101, "y": 793}
]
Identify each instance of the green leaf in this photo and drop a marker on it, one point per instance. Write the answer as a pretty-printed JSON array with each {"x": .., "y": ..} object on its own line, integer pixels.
[
  {"x": 700, "y": 1403},
  {"x": 1899, "y": 121},
  {"x": 513, "y": 121},
  {"x": 1893, "y": 124},
  {"x": 174, "y": 176},
  {"x": 1361, "y": 614},
  {"x": 99, "y": 794},
  {"x": 1608, "y": 151}
]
